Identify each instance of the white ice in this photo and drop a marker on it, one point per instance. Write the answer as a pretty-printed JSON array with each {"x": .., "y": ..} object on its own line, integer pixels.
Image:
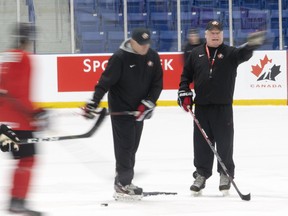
[{"x": 73, "y": 178}]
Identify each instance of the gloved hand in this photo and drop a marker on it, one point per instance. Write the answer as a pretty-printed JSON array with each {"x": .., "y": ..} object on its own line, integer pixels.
[
  {"x": 145, "y": 110},
  {"x": 256, "y": 38},
  {"x": 89, "y": 109},
  {"x": 41, "y": 118},
  {"x": 185, "y": 99},
  {"x": 8, "y": 139}
]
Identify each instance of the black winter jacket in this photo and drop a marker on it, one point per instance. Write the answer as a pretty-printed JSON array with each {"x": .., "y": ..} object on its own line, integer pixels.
[
  {"x": 129, "y": 78},
  {"x": 217, "y": 87}
]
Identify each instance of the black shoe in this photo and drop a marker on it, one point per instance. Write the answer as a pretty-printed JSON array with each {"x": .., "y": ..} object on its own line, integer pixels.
[
  {"x": 17, "y": 206},
  {"x": 127, "y": 192},
  {"x": 128, "y": 189},
  {"x": 225, "y": 182},
  {"x": 198, "y": 184}
]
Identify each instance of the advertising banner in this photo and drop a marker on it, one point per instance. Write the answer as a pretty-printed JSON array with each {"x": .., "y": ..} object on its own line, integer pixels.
[
  {"x": 81, "y": 73},
  {"x": 264, "y": 76}
]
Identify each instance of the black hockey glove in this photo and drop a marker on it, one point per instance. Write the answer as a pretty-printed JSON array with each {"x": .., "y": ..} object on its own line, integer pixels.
[
  {"x": 89, "y": 109},
  {"x": 185, "y": 99},
  {"x": 145, "y": 110},
  {"x": 8, "y": 139}
]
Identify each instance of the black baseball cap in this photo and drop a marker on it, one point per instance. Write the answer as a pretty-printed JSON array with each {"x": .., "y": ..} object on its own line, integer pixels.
[
  {"x": 214, "y": 24},
  {"x": 141, "y": 36},
  {"x": 193, "y": 31}
]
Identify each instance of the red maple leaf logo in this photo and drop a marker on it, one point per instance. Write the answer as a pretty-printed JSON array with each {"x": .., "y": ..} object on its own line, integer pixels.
[{"x": 257, "y": 69}]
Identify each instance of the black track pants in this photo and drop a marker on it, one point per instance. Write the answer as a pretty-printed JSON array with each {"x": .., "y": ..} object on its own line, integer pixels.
[
  {"x": 126, "y": 135},
  {"x": 217, "y": 122}
]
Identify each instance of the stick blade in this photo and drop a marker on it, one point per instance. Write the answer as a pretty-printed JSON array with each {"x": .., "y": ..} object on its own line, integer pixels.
[
  {"x": 88, "y": 134},
  {"x": 246, "y": 197},
  {"x": 156, "y": 193},
  {"x": 99, "y": 121}
]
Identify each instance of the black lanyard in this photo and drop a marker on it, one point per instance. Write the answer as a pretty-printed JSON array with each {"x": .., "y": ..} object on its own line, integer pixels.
[{"x": 211, "y": 61}]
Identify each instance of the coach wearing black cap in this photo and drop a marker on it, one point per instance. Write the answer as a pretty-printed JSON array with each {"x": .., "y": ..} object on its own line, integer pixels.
[
  {"x": 213, "y": 69},
  {"x": 133, "y": 79},
  {"x": 140, "y": 41}
]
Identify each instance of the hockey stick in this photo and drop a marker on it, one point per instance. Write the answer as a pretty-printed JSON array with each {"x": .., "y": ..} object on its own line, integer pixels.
[
  {"x": 88, "y": 134},
  {"x": 242, "y": 196},
  {"x": 156, "y": 193},
  {"x": 132, "y": 113}
]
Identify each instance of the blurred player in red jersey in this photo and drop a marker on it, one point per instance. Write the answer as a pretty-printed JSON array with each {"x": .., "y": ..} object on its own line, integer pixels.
[{"x": 17, "y": 111}]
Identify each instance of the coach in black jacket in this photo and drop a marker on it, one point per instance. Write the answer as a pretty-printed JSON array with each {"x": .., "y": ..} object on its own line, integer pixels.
[
  {"x": 213, "y": 68},
  {"x": 133, "y": 79}
]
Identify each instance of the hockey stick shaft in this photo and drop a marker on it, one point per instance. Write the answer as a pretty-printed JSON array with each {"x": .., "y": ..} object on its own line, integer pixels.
[
  {"x": 88, "y": 134},
  {"x": 132, "y": 113},
  {"x": 242, "y": 196},
  {"x": 69, "y": 113}
]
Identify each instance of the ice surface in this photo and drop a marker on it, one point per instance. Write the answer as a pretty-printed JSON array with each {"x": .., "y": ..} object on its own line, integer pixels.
[{"x": 73, "y": 178}]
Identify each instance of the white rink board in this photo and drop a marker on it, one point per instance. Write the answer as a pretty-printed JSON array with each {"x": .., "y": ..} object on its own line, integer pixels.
[{"x": 247, "y": 87}]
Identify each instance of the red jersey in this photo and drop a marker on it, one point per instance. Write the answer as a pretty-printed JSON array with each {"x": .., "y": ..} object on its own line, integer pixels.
[{"x": 16, "y": 108}]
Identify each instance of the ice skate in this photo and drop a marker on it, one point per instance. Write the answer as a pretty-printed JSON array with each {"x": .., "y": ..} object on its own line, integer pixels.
[
  {"x": 128, "y": 192},
  {"x": 224, "y": 185},
  {"x": 17, "y": 206},
  {"x": 198, "y": 185}
]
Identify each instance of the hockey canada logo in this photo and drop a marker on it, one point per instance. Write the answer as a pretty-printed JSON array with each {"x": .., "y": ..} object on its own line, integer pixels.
[
  {"x": 266, "y": 70},
  {"x": 145, "y": 36}
]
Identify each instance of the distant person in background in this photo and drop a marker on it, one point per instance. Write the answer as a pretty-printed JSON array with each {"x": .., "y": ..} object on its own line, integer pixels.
[
  {"x": 17, "y": 111},
  {"x": 213, "y": 69},
  {"x": 193, "y": 40}
]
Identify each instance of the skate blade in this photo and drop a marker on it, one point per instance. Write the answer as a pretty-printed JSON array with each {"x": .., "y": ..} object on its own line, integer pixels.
[
  {"x": 126, "y": 197},
  {"x": 25, "y": 213},
  {"x": 225, "y": 193},
  {"x": 196, "y": 193}
]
